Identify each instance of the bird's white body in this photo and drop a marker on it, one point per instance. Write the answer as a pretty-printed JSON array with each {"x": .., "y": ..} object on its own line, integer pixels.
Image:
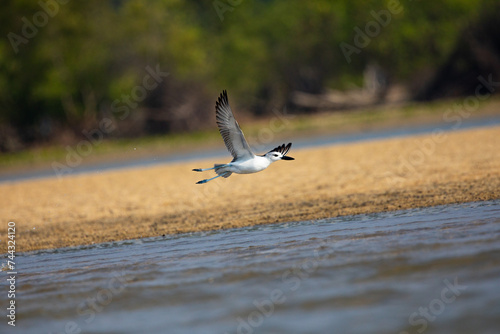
[
  {"x": 244, "y": 160},
  {"x": 248, "y": 166}
]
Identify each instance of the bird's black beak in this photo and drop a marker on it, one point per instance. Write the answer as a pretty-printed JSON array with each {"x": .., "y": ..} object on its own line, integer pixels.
[{"x": 287, "y": 158}]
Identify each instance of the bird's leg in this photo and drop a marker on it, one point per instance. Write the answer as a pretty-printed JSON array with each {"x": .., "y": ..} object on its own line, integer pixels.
[
  {"x": 205, "y": 169},
  {"x": 202, "y": 169},
  {"x": 206, "y": 180}
]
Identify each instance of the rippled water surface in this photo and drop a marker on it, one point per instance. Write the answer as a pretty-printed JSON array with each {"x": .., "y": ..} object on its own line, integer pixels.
[{"x": 433, "y": 270}]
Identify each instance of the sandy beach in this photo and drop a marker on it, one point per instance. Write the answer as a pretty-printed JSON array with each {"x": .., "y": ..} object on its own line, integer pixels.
[{"x": 392, "y": 174}]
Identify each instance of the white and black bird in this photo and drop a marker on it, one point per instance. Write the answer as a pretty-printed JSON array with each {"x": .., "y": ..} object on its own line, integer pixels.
[{"x": 244, "y": 160}]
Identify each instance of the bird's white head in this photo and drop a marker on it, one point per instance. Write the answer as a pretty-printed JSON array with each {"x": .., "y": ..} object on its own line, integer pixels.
[{"x": 279, "y": 153}]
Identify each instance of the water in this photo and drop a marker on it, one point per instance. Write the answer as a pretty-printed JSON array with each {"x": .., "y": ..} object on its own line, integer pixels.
[
  {"x": 432, "y": 270},
  {"x": 222, "y": 152}
]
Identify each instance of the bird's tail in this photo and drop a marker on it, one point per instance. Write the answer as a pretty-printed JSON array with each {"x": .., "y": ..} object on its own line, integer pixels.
[{"x": 221, "y": 170}]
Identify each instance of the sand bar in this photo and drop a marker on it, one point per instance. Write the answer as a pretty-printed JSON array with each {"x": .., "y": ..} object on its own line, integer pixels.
[{"x": 392, "y": 174}]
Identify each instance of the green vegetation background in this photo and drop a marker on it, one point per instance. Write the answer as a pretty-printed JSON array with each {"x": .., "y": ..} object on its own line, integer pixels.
[{"x": 90, "y": 53}]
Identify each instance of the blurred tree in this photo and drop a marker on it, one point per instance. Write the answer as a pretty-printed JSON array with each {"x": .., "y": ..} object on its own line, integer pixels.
[{"x": 62, "y": 66}]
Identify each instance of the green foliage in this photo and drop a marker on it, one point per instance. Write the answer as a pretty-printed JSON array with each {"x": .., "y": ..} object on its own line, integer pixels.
[{"x": 90, "y": 52}]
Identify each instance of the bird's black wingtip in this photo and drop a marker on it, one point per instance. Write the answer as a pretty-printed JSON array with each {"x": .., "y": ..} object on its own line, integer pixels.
[
  {"x": 283, "y": 149},
  {"x": 223, "y": 99}
]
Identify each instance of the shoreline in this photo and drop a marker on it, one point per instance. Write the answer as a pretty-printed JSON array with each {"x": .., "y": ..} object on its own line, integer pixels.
[
  {"x": 284, "y": 126},
  {"x": 356, "y": 178},
  {"x": 301, "y": 142}
]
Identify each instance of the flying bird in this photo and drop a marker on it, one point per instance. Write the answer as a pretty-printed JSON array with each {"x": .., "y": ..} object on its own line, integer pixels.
[{"x": 244, "y": 160}]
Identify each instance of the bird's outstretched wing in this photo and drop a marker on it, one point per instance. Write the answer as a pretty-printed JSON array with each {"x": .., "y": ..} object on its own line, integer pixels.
[
  {"x": 230, "y": 130},
  {"x": 283, "y": 149}
]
